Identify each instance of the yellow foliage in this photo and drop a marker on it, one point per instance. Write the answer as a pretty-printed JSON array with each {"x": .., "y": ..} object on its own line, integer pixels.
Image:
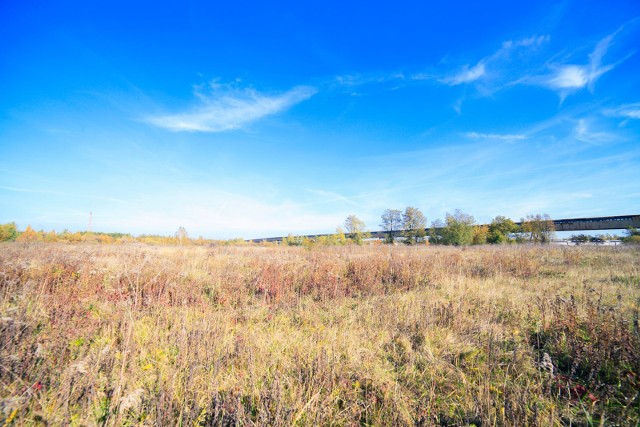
[
  {"x": 28, "y": 235},
  {"x": 480, "y": 233}
]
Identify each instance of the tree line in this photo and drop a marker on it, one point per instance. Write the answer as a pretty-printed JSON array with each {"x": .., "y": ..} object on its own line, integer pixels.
[
  {"x": 9, "y": 232},
  {"x": 460, "y": 229},
  {"x": 457, "y": 229},
  {"x": 408, "y": 227}
]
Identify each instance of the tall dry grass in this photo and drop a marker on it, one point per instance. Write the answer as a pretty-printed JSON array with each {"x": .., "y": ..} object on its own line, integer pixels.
[{"x": 136, "y": 335}]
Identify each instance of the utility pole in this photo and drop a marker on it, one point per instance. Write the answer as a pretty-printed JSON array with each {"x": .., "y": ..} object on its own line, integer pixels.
[{"x": 90, "y": 226}]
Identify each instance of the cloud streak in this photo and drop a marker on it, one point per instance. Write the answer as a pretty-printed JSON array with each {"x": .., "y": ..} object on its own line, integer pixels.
[
  {"x": 519, "y": 62},
  {"x": 227, "y": 108},
  {"x": 466, "y": 75},
  {"x": 492, "y": 69},
  {"x": 583, "y": 132},
  {"x": 501, "y": 137},
  {"x": 628, "y": 111}
]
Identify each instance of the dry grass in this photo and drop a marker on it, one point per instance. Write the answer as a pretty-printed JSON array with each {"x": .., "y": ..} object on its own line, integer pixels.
[{"x": 136, "y": 335}]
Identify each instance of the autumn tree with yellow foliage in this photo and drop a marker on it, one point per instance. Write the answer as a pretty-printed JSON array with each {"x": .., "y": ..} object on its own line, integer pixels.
[{"x": 28, "y": 235}]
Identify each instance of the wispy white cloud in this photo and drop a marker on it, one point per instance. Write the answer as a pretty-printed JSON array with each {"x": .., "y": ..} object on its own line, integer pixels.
[
  {"x": 357, "y": 84},
  {"x": 225, "y": 107},
  {"x": 351, "y": 80},
  {"x": 516, "y": 62},
  {"x": 584, "y": 132},
  {"x": 596, "y": 68},
  {"x": 457, "y": 105},
  {"x": 628, "y": 111},
  {"x": 498, "y": 136},
  {"x": 527, "y": 42},
  {"x": 495, "y": 67},
  {"x": 568, "y": 78},
  {"x": 466, "y": 75},
  {"x": 519, "y": 62}
]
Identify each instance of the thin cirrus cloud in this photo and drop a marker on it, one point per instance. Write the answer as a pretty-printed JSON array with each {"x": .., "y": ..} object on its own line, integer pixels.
[
  {"x": 466, "y": 75},
  {"x": 495, "y": 67},
  {"x": 520, "y": 63},
  {"x": 498, "y": 136},
  {"x": 584, "y": 132},
  {"x": 567, "y": 78},
  {"x": 227, "y": 108},
  {"x": 627, "y": 111}
]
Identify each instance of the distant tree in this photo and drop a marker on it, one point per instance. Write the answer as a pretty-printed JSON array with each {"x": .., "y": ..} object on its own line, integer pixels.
[
  {"x": 355, "y": 228},
  {"x": 308, "y": 243},
  {"x": 413, "y": 223},
  {"x": 632, "y": 232},
  {"x": 607, "y": 236},
  {"x": 500, "y": 229},
  {"x": 200, "y": 241},
  {"x": 338, "y": 238},
  {"x": 538, "y": 228},
  {"x": 391, "y": 221},
  {"x": 125, "y": 238},
  {"x": 181, "y": 236},
  {"x": 106, "y": 238},
  {"x": 75, "y": 237},
  {"x": 596, "y": 239},
  {"x": 8, "y": 232},
  {"x": 89, "y": 236},
  {"x": 632, "y": 237},
  {"x": 578, "y": 239},
  {"x": 435, "y": 232},
  {"x": 51, "y": 237},
  {"x": 292, "y": 240},
  {"x": 235, "y": 241},
  {"x": 459, "y": 229},
  {"x": 28, "y": 235},
  {"x": 480, "y": 233}
]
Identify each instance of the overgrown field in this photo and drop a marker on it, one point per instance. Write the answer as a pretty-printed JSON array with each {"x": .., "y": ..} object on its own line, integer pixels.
[{"x": 137, "y": 335}]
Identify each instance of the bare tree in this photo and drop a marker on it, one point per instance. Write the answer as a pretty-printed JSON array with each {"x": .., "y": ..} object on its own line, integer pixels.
[
  {"x": 391, "y": 221},
  {"x": 181, "y": 235}
]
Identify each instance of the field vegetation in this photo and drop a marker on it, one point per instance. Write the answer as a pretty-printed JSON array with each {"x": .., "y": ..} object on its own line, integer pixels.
[{"x": 134, "y": 334}]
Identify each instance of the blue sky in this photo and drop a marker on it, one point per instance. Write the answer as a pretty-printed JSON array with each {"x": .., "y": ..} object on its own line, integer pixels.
[{"x": 252, "y": 120}]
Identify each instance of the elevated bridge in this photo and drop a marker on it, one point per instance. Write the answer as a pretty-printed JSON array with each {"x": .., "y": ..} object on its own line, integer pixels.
[
  {"x": 570, "y": 224},
  {"x": 598, "y": 223}
]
